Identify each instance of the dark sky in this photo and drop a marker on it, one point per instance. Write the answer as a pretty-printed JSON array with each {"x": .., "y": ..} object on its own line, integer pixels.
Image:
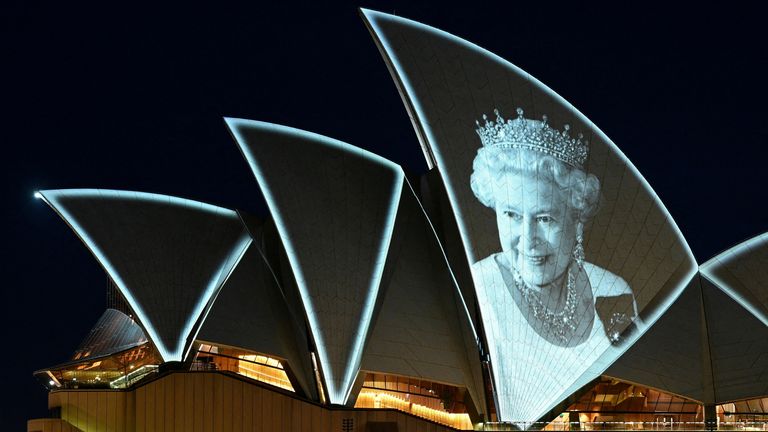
[{"x": 133, "y": 98}]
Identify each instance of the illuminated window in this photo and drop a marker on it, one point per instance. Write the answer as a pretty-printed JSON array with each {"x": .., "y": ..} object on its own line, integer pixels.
[
  {"x": 255, "y": 366},
  {"x": 119, "y": 370},
  {"x": 440, "y": 403},
  {"x": 613, "y": 403},
  {"x": 742, "y": 413}
]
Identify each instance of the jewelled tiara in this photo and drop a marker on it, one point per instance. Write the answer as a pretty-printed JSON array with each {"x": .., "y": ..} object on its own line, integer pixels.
[{"x": 536, "y": 135}]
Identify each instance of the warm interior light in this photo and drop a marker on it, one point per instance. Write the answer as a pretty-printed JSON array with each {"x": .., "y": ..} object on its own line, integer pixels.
[
  {"x": 374, "y": 398},
  {"x": 264, "y": 369},
  {"x": 252, "y": 365}
]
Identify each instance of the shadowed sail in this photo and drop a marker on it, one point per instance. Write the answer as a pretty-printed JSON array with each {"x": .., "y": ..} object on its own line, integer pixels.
[
  {"x": 739, "y": 298},
  {"x": 250, "y": 312},
  {"x": 168, "y": 256},
  {"x": 423, "y": 328},
  {"x": 334, "y": 206}
]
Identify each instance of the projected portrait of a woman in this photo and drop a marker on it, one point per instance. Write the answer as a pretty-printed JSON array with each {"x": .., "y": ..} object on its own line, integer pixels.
[{"x": 540, "y": 297}]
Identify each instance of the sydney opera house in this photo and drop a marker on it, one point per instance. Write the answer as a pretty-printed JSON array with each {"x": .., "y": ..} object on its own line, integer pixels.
[{"x": 531, "y": 279}]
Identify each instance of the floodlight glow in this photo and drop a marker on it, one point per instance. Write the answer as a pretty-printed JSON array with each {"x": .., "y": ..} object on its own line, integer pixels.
[
  {"x": 38, "y": 195},
  {"x": 708, "y": 271},
  {"x": 426, "y": 136},
  {"x": 175, "y": 353},
  {"x": 336, "y": 395}
]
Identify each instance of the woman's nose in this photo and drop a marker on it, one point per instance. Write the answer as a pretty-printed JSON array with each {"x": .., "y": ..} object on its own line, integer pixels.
[{"x": 529, "y": 235}]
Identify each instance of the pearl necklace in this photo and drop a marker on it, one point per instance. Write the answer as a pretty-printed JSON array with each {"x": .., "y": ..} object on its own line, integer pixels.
[{"x": 562, "y": 323}]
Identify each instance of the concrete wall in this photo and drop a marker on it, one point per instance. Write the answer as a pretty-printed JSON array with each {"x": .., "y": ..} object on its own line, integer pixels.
[{"x": 210, "y": 401}]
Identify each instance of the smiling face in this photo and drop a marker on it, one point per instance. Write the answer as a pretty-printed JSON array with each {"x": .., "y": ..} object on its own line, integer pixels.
[{"x": 537, "y": 230}]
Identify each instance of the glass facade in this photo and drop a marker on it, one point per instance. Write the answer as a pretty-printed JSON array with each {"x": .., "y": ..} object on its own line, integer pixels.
[
  {"x": 255, "y": 366},
  {"x": 616, "y": 405},
  {"x": 746, "y": 412},
  {"x": 615, "y": 402},
  {"x": 441, "y": 403},
  {"x": 116, "y": 371}
]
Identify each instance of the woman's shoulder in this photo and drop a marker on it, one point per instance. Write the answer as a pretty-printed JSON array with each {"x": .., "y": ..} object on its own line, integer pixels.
[
  {"x": 604, "y": 283},
  {"x": 614, "y": 303},
  {"x": 487, "y": 263},
  {"x": 486, "y": 272}
]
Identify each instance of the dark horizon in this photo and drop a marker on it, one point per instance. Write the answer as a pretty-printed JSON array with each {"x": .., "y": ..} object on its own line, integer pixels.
[{"x": 135, "y": 100}]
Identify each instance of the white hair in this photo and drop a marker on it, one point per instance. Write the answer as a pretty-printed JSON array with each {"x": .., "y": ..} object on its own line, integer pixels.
[{"x": 493, "y": 162}]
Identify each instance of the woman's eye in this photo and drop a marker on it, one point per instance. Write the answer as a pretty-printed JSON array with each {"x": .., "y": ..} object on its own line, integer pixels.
[
  {"x": 545, "y": 219},
  {"x": 512, "y": 215}
]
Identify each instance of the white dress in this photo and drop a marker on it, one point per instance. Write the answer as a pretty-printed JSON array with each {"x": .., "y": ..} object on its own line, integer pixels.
[{"x": 531, "y": 374}]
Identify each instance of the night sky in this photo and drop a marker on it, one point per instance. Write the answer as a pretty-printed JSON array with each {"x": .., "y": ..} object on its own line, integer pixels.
[{"x": 133, "y": 99}]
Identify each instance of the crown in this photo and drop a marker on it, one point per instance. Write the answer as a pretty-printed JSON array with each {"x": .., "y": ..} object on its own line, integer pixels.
[{"x": 536, "y": 135}]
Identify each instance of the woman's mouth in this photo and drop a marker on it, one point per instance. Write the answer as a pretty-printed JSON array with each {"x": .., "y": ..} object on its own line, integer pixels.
[{"x": 535, "y": 260}]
